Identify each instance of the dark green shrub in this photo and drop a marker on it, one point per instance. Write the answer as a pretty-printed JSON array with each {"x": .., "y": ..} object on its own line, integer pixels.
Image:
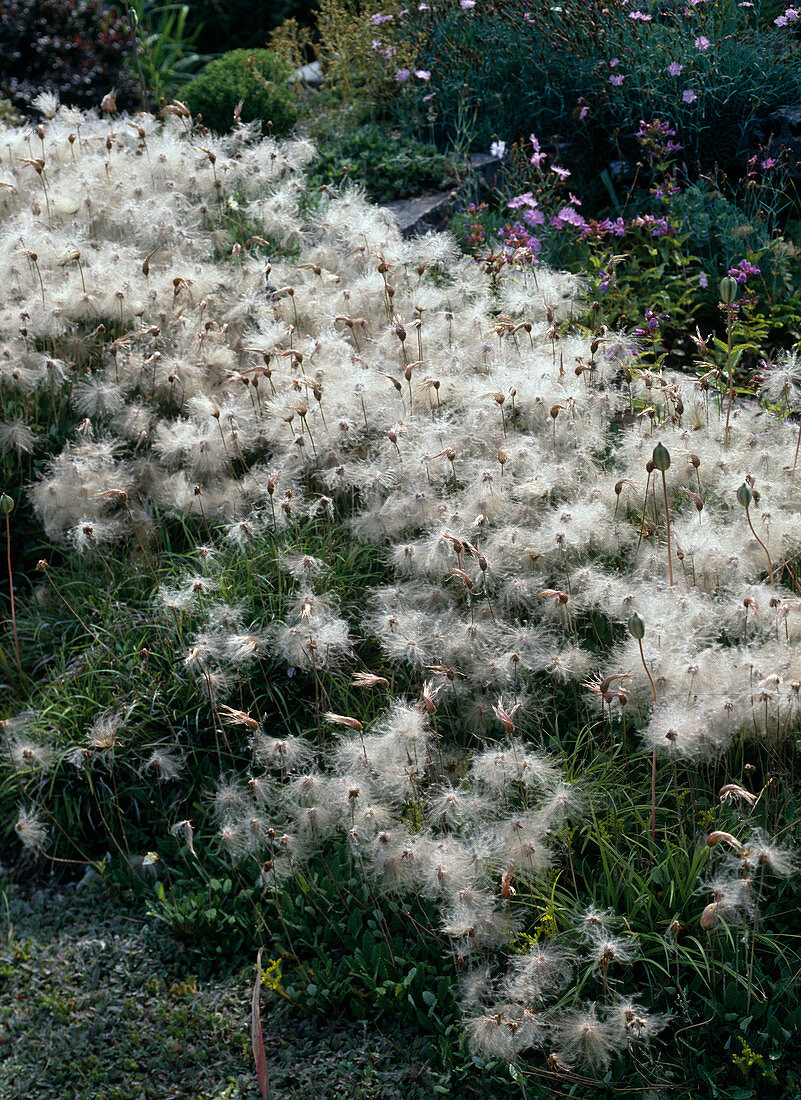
[
  {"x": 240, "y": 24},
  {"x": 258, "y": 77},
  {"x": 388, "y": 165},
  {"x": 77, "y": 48}
]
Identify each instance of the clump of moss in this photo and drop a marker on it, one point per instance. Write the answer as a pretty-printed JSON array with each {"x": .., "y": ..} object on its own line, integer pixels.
[{"x": 387, "y": 164}]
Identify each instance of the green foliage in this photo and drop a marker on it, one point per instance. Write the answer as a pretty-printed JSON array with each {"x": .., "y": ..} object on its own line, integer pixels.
[
  {"x": 385, "y": 162},
  {"x": 166, "y": 57},
  {"x": 501, "y": 70},
  {"x": 8, "y": 115},
  {"x": 256, "y": 77}
]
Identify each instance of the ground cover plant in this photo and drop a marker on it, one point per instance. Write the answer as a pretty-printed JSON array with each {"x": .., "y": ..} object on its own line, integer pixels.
[{"x": 370, "y": 608}]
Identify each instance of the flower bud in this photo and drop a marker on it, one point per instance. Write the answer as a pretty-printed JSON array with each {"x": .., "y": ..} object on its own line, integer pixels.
[
  {"x": 728, "y": 290},
  {"x": 636, "y": 627},
  {"x": 661, "y": 457}
]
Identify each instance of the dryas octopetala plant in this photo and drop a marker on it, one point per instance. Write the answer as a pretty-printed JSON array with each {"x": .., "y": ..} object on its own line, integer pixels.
[{"x": 314, "y": 363}]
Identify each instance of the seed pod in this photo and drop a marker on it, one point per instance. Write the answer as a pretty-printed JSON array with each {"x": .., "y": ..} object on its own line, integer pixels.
[
  {"x": 6, "y": 504},
  {"x": 709, "y": 916},
  {"x": 716, "y": 837},
  {"x": 744, "y": 496}
]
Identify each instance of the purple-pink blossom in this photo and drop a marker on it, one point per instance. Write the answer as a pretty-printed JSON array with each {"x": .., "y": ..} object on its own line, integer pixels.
[
  {"x": 659, "y": 227},
  {"x": 562, "y": 173},
  {"x": 643, "y": 17},
  {"x": 378, "y": 19},
  {"x": 702, "y": 42},
  {"x": 526, "y": 199},
  {"x": 675, "y": 69},
  {"x": 568, "y": 216},
  {"x": 533, "y": 217},
  {"x": 465, "y": 4},
  {"x": 402, "y": 75},
  {"x": 539, "y": 157},
  {"x": 689, "y": 96},
  {"x": 517, "y": 236},
  {"x": 743, "y": 270},
  {"x": 422, "y": 74},
  {"x": 616, "y": 81}
]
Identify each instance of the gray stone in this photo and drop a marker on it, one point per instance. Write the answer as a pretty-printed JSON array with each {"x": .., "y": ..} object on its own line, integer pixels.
[
  {"x": 486, "y": 167},
  {"x": 423, "y": 213},
  {"x": 311, "y": 75}
]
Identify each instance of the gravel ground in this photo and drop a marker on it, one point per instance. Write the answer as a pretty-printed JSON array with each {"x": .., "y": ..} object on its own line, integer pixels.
[{"x": 95, "y": 1002}]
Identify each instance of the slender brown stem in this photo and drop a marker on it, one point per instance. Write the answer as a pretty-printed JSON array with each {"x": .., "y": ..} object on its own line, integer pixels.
[
  {"x": 764, "y": 547},
  {"x": 653, "y": 762},
  {"x": 731, "y": 375},
  {"x": 11, "y": 590},
  {"x": 667, "y": 517}
]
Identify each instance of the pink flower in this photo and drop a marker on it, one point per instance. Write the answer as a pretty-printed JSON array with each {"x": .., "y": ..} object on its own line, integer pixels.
[
  {"x": 422, "y": 74},
  {"x": 529, "y": 18},
  {"x": 526, "y": 199},
  {"x": 641, "y": 15},
  {"x": 539, "y": 157},
  {"x": 402, "y": 75},
  {"x": 465, "y": 4},
  {"x": 616, "y": 80},
  {"x": 689, "y": 96},
  {"x": 378, "y": 19},
  {"x": 614, "y": 61},
  {"x": 702, "y": 42},
  {"x": 675, "y": 69},
  {"x": 429, "y": 96},
  {"x": 562, "y": 173}
]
